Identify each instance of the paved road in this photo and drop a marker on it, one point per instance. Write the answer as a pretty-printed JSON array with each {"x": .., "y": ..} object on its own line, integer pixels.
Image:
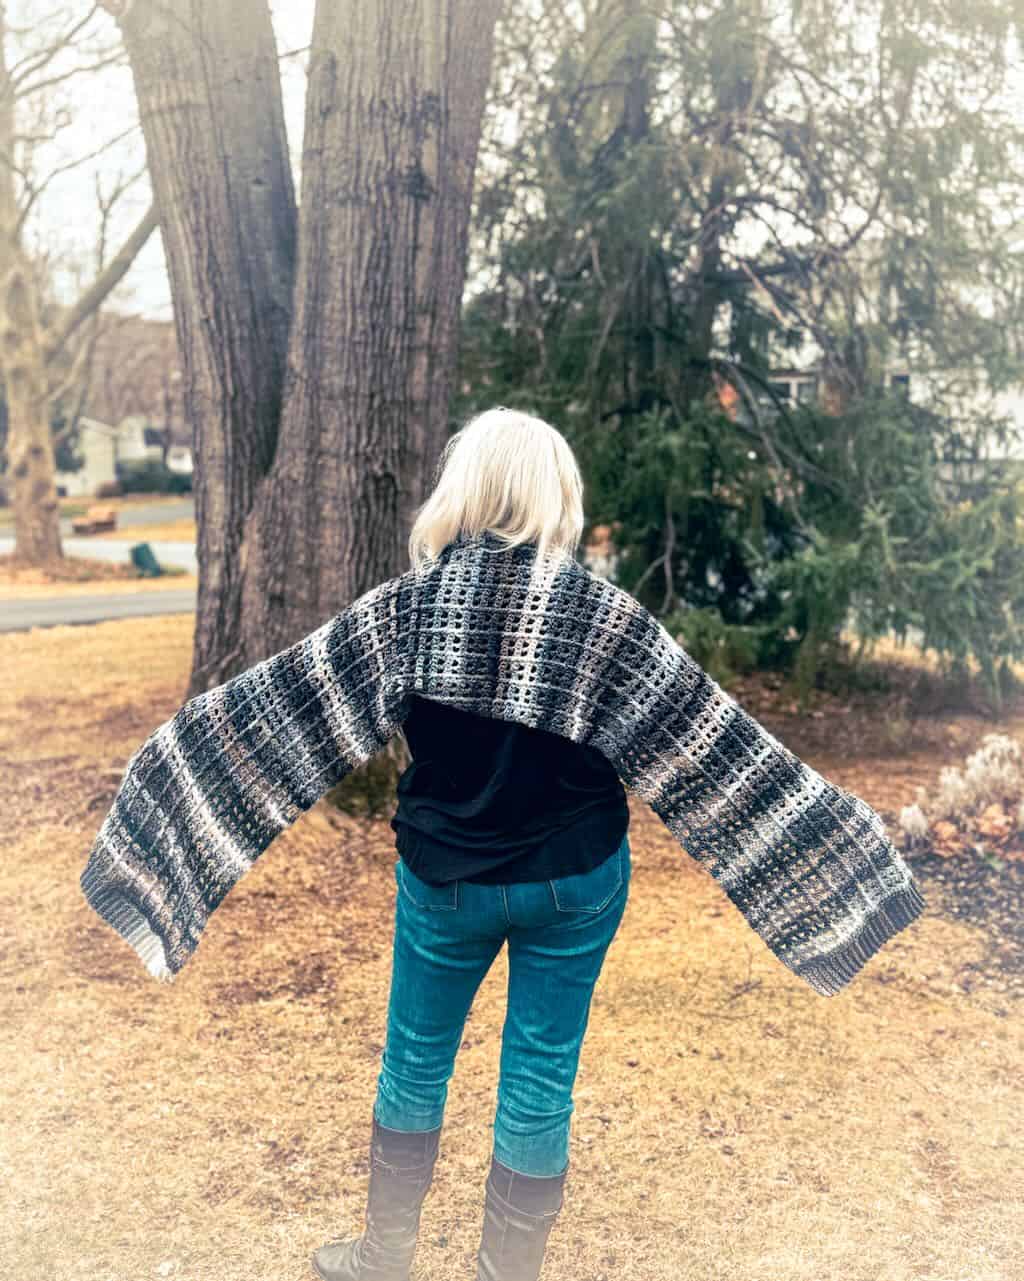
[
  {"x": 143, "y": 514},
  {"x": 48, "y": 611}
]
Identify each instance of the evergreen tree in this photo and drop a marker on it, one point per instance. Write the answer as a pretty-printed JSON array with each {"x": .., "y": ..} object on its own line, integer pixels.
[{"x": 673, "y": 204}]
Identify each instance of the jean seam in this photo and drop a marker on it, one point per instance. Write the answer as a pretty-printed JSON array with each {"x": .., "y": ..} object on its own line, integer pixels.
[
  {"x": 604, "y": 902},
  {"x": 427, "y": 907}
]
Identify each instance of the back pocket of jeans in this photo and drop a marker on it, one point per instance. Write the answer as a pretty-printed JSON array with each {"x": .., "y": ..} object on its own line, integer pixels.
[
  {"x": 590, "y": 891},
  {"x": 438, "y": 898}
]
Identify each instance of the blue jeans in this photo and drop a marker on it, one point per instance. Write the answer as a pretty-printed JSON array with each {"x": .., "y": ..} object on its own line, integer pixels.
[{"x": 446, "y": 938}]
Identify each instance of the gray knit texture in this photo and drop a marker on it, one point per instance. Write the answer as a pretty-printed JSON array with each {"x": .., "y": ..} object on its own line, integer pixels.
[{"x": 538, "y": 640}]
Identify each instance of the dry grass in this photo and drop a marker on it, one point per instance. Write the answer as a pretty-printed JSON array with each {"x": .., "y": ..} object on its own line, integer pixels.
[
  {"x": 80, "y": 576},
  {"x": 22, "y": 579},
  {"x": 170, "y": 531},
  {"x": 730, "y": 1123}
]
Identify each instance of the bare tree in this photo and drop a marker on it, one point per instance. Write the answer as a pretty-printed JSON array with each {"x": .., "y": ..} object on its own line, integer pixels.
[
  {"x": 93, "y": 362},
  {"x": 315, "y": 427},
  {"x": 35, "y": 339},
  {"x": 208, "y": 87},
  {"x": 135, "y": 369}
]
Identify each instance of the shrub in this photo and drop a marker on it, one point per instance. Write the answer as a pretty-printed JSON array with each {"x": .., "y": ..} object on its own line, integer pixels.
[
  {"x": 150, "y": 476},
  {"x": 721, "y": 648},
  {"x": 984, "y": 800}
]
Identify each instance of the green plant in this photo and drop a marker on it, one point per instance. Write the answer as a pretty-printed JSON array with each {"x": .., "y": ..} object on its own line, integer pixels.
[
  {"x": 621, "y": 297},
  {"x": 150, "y": 476},
  {"x": 722, "y": 649}
]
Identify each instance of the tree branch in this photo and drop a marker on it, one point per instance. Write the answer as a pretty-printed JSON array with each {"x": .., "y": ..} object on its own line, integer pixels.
[
  {"x": 33, "y": 62},
  {"x": 105, "y": 282},
  {"x": 110, "y": 60},
  {"x": 33, "y": 190}
]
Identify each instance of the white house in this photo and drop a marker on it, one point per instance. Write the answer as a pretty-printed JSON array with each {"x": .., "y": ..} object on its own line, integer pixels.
[
  {"x": 138, "y": 441},
  {"x": 102, "y": 447},
  {"x": 960, "y": 396},
  {"x": 98, "y": 445}
]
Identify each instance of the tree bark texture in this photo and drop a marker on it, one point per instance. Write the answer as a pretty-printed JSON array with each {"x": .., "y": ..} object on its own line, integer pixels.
[
  {"x": 31, "y": 464},
  {"x": 31, "y": 467},
  {"x": 208, "y": 86},
  {"x": 395, "y": 99}
]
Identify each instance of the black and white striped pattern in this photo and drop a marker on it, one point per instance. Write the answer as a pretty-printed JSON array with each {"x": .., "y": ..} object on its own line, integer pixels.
[{"x": 538, "y": 640}]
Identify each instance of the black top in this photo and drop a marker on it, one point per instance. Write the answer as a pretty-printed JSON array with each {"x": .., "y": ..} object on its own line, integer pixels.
[{"x": 496, "y": 802}]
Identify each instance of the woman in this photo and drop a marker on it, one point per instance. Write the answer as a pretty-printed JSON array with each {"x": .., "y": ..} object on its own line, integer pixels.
[
  {"x": 506, "y": 835},
  {"x": 494, "y": 639}
]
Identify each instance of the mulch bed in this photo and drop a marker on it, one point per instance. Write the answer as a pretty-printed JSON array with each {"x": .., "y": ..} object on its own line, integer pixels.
[{"x": 987, "y": 893}]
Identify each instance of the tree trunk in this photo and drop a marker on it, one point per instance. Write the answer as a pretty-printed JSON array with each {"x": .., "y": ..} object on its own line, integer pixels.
[
  {"x": 31, "y": 465},
  {"x": 738, "y": 86},
  {"x": 30, "y": 455},
  {"x": 30, "y": 353},
  {"x": 395, "y": 100},
  {"x": 209, "y": 93}
]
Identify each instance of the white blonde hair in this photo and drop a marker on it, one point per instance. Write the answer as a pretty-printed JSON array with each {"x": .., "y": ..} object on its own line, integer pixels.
[{"x": 506, "y": 472}]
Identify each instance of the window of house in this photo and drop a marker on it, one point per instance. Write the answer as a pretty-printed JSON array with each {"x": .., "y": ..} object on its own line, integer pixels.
[{"x": 807, "y": 391}]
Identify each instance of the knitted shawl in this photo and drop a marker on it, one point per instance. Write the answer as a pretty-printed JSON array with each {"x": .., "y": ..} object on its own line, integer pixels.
[{"x": 505, "y": 632}]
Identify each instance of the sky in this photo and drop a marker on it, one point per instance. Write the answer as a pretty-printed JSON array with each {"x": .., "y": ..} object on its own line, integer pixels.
[{"x": 101, "y": 106}]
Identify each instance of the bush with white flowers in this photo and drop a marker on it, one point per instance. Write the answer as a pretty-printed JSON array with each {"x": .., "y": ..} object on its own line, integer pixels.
[{"x": 987, "y": 795}]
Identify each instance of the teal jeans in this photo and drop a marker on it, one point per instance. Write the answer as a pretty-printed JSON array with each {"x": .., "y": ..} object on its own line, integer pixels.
[{"x": 446, "y": 939}]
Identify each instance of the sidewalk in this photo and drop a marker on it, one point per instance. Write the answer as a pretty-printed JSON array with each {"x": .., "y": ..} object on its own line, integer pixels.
[{"x": 44, "y": 608}]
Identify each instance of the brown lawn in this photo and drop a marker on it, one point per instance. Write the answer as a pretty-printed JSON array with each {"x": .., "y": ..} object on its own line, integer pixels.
[
  {"x": 730, "y": 1123},
  {"x": 170, "y": 531},
  {"x": 87, "y": 578},
  {"x": 79, "y": 575}
]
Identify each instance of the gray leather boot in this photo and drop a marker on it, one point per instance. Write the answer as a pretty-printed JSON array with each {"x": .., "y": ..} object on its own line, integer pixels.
[
  {"x": 519, "y": 1213},
  {"x": 401, "y": 1170}
]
